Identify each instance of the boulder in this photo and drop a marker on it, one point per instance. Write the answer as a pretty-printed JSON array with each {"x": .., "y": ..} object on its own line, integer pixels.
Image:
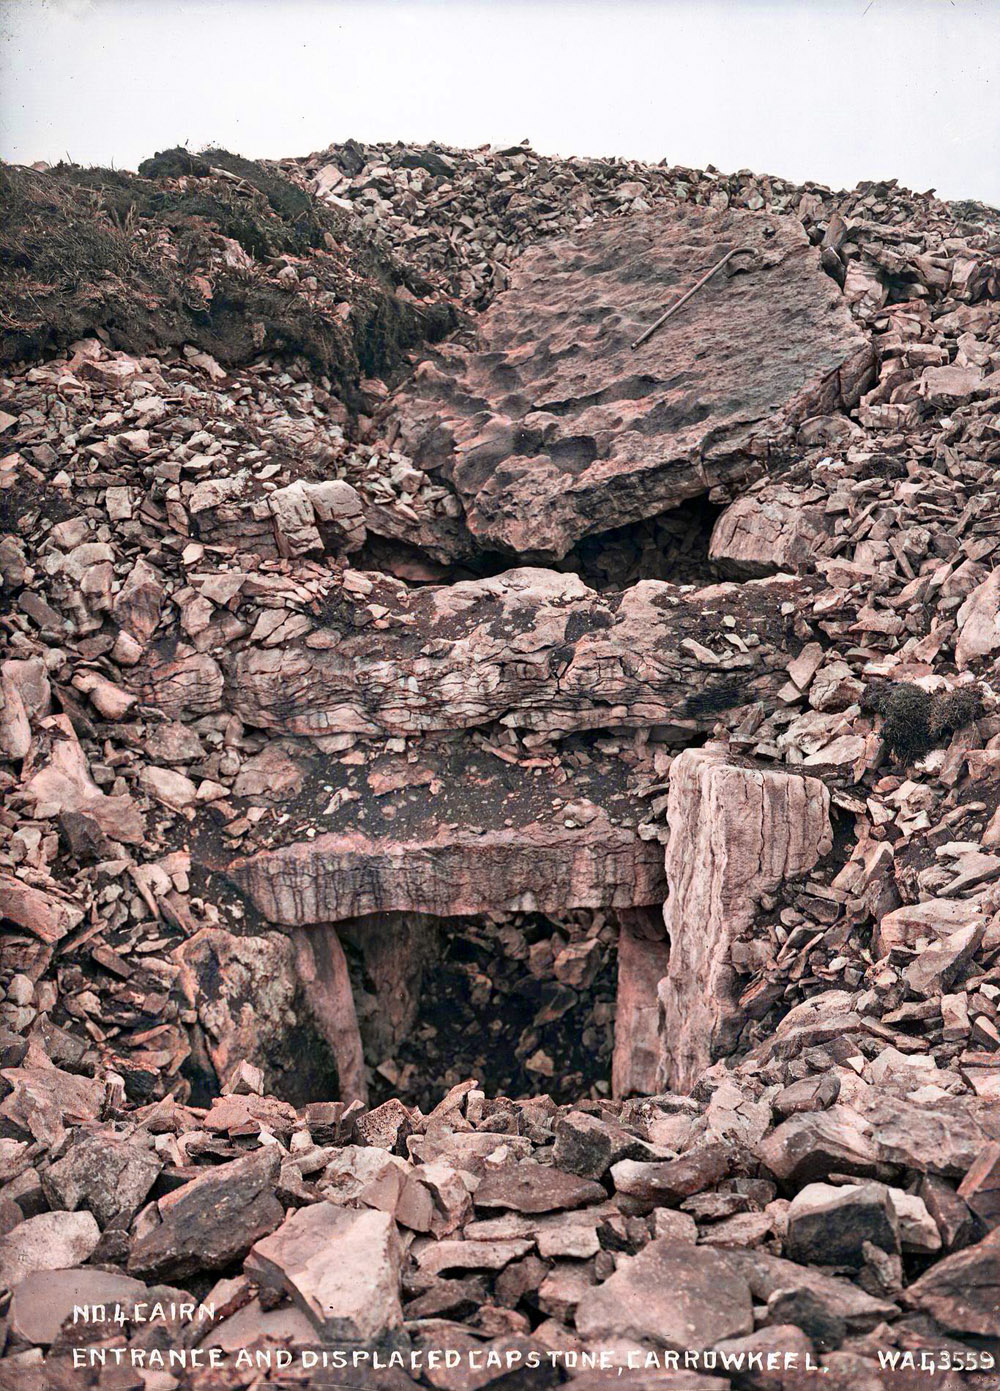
[{"x": 556, "y": 424}]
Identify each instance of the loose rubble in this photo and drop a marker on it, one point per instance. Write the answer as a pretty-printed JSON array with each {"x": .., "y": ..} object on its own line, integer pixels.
[{"x": 470, "y": 881}]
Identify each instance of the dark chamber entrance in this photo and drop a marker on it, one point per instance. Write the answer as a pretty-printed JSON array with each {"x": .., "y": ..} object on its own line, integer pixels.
[{"x": 519, "y": 1002}]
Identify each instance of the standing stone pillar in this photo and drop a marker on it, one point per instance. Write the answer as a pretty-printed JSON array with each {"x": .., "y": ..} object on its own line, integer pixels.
[{"x": 735, "y": 833}]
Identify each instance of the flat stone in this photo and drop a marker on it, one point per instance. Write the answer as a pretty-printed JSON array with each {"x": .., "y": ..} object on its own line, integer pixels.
[
  {"x": 340, "y": 1266},
  {"x": 552, "y": 426},
  {"x": 672, "y": 1295},
  {"x": 43, "y": 1301},
  {"x": 471, "y": 1255},
  {"x": 534, "y": 1187},
  {"x": 212, "y": 1220},
  {"x": 50, "y": 1241}
]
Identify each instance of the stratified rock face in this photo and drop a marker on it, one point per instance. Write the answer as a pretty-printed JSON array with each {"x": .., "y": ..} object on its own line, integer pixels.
[
  {"x": 735, "y": 833},
  {"x": 551, "y": 427},
  {"x": 534, "y": 868},
  {"x": 532, "y": 647}
]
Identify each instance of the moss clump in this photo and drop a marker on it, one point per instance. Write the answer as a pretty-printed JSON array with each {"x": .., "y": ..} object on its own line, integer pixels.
[
  {"x": 914, "y": 722},
  {"x": 98, "y": 250},
  {"x": 957, "y": 709}
]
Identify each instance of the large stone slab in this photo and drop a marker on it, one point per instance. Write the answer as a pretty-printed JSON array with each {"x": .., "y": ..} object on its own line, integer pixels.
[
  {"x": 453, "y": 873},
  {"x": 736, "y": 832},
  {"x": 551, "y": 427},
  {"x": 533, "y": 648}
]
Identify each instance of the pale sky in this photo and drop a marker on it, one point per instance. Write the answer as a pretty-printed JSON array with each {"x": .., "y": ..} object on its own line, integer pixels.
[{"x": 832, "y": 90}]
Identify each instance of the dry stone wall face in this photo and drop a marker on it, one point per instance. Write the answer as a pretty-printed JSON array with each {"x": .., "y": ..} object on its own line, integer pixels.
[{"x": 336, "y": 708}]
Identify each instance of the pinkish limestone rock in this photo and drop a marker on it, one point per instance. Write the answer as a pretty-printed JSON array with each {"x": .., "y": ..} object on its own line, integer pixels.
[{"x": 736, "y": 832}]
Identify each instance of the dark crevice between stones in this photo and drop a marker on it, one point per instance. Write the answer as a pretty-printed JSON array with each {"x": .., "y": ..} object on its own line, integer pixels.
[{"x": 672, "y": 546}]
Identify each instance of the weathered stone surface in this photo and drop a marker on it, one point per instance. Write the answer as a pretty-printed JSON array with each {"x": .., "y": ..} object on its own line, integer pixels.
[
  {"x": 213, "y": 1219},
  {"x": 42, "y": 1100},
  {"x": 308, "y": 514},
  {"x": 534, "y": 1187},
  {"x": 673, "y": 1295},
  {"x": 979, "y": 622},
  {"x": 931, "y": 921},
  {"x": 943, "y": 1136},
  {"x": 341, "y": 1267},
  {"x": 105, "y": 1173},
  {"x": 764, "y": 535},
  {"x": 453, "y": 873},
  {"x": 643, "y": 955},
  {"x": 552, "y": 427},
  {"x": 769, "y": 1275},
  {"x": 65, "y": 783},
  {"x": 583, "y": 1145},
  {"x": 670, "y": 1181},
  {"x": 963, "y": 1291},
  {"x": 50, "y": 1241},
  {"x": 830, "y": 1225},
  {"x": 532, "y": 647},
  {"x": 42, "y": 1302},
  {"x": 48, "y": 916},
  {"x": 816, "y": 1143},
  {"x": 735, "y": 833},
  {"x": 775, "y": 1358},
  {"x": 471, "y": 1255}
]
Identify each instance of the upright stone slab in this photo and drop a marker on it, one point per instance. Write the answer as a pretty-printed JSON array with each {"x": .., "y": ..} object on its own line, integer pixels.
[{"x": 735, "y": 833}]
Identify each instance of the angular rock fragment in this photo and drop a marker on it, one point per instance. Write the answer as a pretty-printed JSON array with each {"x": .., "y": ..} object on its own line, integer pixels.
[
  {"x": 671, "y": 1295},
  {"x": 50, "y": 1241},
  {"x": 829, "y": 1225},
  {"x": 108, "y": 1175},
  {"x": 43, "y": 1301},
  {"x": 536, "y": 1188},
  {"x": 674, "y": 1179},
  {"x": 962, "y": 1292},
  {"x": 212, "y": 1220},
  {"x": 340, "y": 1267}
]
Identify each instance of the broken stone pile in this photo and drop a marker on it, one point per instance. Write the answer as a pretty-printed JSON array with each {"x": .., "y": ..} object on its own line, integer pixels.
[{"x": 500, "y": 865}]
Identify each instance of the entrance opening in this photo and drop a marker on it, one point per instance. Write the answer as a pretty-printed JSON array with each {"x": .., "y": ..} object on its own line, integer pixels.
[{"x": 520, "y": 1002}]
